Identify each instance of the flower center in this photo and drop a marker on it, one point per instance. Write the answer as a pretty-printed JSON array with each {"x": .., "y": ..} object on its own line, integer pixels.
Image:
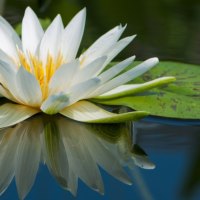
[{"x": 42, "y": 71}]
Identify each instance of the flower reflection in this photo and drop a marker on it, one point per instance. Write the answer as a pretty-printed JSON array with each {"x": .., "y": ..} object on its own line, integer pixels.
[{"x": 71, "y": 150}]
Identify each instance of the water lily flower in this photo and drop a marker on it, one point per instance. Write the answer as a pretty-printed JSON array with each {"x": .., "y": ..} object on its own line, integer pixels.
[
  {"x": 69, "y": 156},
  {"x": 41, "y": 71}
]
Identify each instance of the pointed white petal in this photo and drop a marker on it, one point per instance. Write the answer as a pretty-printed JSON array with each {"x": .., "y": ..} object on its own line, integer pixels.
[
  {"x": 90, "y": 71},
  {"x": 11, "y": 114},
  {"x": 27, "y": 157},
  {"x": 32, "y": 32},
  {"x": 51, "y": 41},
  {"x": 54, "y": 103},
  {"x": 130, "y": 89},
  {"x": 11, "y": 31},
  {"x": 63, "y": 77},
  {"x": 72, "y": 36},
  {"x": 118, "y": 47},
  {"x": 127, "y": 76},
  {"x": 28, "y": 88},
  {"x": 9, "y": 39},
  {"x": 85, "y": 111},
  {"x": 115, "y": 70},
  {"x": 101, "y": 46}
]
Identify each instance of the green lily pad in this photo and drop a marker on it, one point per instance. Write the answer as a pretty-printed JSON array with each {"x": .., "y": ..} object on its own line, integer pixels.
[{"x": 180, "y": 99}]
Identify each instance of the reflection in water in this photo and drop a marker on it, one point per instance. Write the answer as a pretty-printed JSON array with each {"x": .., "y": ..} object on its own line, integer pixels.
[{"x": 71, "y": 150}]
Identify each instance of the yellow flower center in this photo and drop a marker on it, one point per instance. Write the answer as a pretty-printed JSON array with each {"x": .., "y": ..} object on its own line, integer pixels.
[{"x": 42, "y": 73}]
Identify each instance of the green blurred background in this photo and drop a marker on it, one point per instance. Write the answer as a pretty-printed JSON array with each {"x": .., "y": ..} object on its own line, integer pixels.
[{"x": 168, "y": 29}]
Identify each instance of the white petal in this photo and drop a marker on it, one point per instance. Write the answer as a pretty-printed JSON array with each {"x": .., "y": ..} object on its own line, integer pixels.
[
  {"x": 82, "y": 90},
  {"x": 7, "y": 75},
  {"x": 72, "y": 36},
  {"x": 5, "y": 93},
  {"x": 9, "y": 40},
  {"x": 127, "y": 76},
  {"x": 8, "y": 80},
  {"x": 5, "y": 58},
  {"x": 11, "y": 114},
  {"x": 118, "y": 47},
  {"x": 50, "y": 44},
  {"x": 85, "y": 111},
  {"x": 115, "y": 70},
  {"x": 63, "y": 77},
  {"x": 12, "y": 32},
  {"x": 32, "y": 32},
  {"x": 27, "y": 157},
  {"x": 28, "y": 88},
  {"x": 130, "y": 89},
  {"x": 54, "y": 103},
  {"x": 90, "y": 71},
  {"x": 101, "y": 46}
]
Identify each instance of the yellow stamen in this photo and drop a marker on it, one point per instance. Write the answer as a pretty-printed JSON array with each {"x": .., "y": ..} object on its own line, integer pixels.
[{"x": 42, "y": 73}]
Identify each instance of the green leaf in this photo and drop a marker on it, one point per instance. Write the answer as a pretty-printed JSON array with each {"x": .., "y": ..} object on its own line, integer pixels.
[{"x": 180, "y": 99}]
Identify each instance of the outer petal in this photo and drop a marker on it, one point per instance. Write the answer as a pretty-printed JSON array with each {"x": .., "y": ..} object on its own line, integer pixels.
[
  {"x": 50, "y": 44},
  {"x": 115, "y": 70},
  {"x": 126, "y": 76},
  {"x": 72, "y": 36},
  {"x": 9, "y": 39},
  {"x": 117, "y": 48},
  {"x": 28, "y": 88},
  {"x": 11, "y": 114},
  {"x": 11, "y": 31},
  {"x": 85, "y": 111},
  {"x": 32, "y": 32},
  {"x": 27, "y": 157},
  {"x": 130, "y": 89},
  {"x": 5, "y": 93},
  {"x": 101, "y": 46}
]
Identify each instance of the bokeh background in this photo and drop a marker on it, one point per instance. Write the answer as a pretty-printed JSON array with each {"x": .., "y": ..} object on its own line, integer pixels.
[{"x": 168, "y": 29}]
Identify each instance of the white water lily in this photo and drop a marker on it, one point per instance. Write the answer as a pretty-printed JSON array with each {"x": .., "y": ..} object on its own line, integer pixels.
[
  {"x": 41, "y": 72},
  {"x": 71, "y": 151}
]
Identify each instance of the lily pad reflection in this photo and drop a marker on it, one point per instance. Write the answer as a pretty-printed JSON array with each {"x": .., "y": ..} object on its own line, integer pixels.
[{"x": 71, "y": 151}]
